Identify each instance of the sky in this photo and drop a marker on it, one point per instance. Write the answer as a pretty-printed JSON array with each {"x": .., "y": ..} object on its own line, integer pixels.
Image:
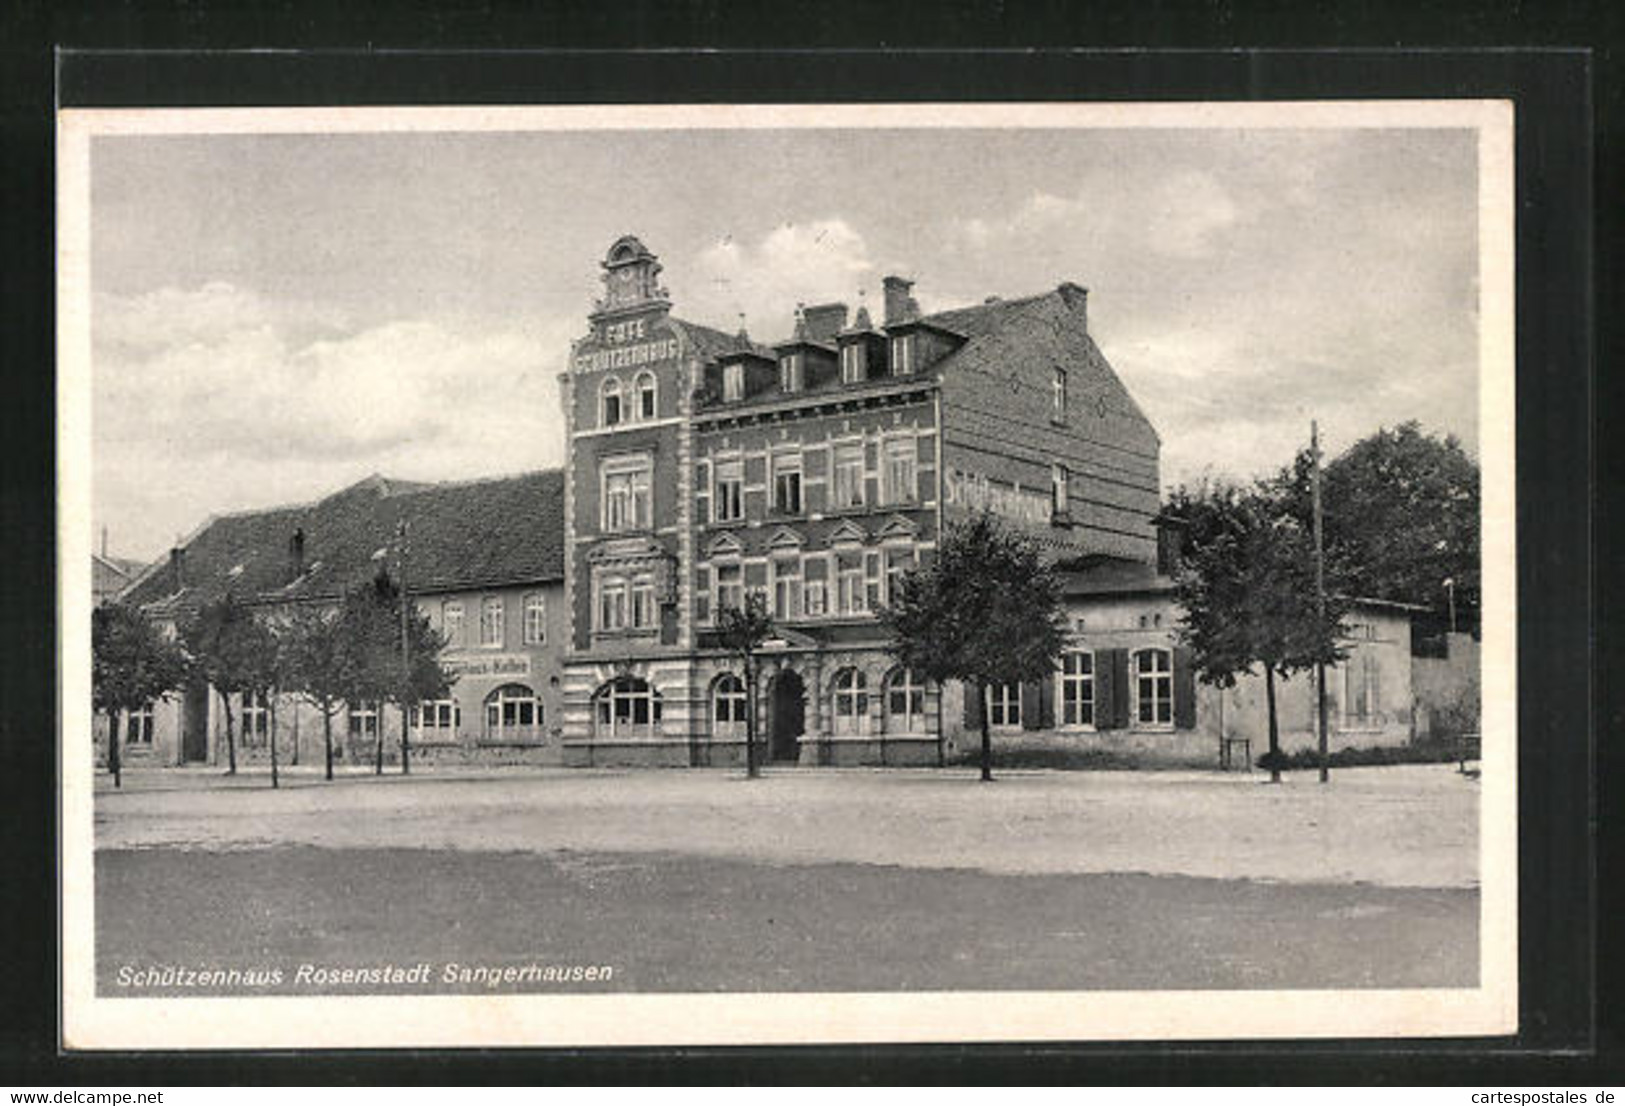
[{"x": 277, "y": 316}]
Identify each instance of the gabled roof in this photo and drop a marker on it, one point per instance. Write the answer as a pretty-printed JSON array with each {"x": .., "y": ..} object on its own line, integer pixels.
[
  {"x": 709, "y": 342},
  {"x": 466, "y": 534}
]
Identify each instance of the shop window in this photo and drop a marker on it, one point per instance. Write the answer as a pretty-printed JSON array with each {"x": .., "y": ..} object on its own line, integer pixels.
[
  {"x": 514, "y": 713},
  {"x": 1153, "y": 687},
  {"x": 626, "y": 708},
  {"x": 851, "y": 695},
  {"x": 728, "y": 706}
]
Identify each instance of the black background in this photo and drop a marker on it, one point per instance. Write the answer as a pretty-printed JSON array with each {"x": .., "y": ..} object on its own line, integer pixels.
[{"x": 128, "y": 54}]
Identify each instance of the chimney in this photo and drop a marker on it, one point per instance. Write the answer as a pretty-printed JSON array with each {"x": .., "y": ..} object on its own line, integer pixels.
[
  {"x": 296, "y": 553},
  {"x": 1076, "y": 297},
  {"x": 900, "y": 306},
  {"x": 825, "y": 321},
  {"x": 177, "y": 567}
]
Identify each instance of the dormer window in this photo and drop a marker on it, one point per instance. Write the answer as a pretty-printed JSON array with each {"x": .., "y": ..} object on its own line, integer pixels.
[
  {"x": 609, "y": 402},
  {"x": 733, "y": 381},
  {"x": 852, "y": 363},
  {"x": 790, "y": 374},
  {"x": 902, "y": 355},
  {"x": 646, "y": 395}
]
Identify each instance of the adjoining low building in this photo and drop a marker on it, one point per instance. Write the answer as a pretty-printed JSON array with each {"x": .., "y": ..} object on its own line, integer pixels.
[{"x": 483, "y": 560}]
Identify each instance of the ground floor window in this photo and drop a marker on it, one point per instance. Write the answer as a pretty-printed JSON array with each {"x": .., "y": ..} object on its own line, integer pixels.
[
  {"x": 138, "y": 726},
  {"x": 1362, "y": 695},
  {"x": 363, "y": 721},
  {"x": 1078, "y": 688},
  {"x": 1153, "y": 687},
  {"x": 437, "y": 719},
  {"x": 256, "y": 720},
  {"x": 728, "y": 706},
  {"x": 1004, "y": 706},
  {"x": 626, "y": 707},
  {"x": 851, "y": 702},
  {"x": 905, "y": 702},
  {"x": 513, "y": 713}
]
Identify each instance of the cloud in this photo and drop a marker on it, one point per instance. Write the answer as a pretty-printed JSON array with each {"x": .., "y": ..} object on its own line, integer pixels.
[
  {"x": 217, "y": 400},
  {"x": 811, "y": 262}
]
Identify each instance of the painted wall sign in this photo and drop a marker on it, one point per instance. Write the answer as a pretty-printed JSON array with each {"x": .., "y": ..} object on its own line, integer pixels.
[
  {"x": 489, "y": 664},
  {"x": 625, "y": 357},
  {"x": 972, "y": 491}
]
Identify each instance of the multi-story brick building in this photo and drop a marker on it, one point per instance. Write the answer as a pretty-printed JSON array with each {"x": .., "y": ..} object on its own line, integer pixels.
[{"x": 703, "y": 466}]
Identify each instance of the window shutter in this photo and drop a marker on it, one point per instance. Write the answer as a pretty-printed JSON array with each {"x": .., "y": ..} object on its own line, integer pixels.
[
  {"x": 702, "y": 594},
  {"x": 1120, "y": 695},
  {"x": 973, "y": 709},
  {"x": 1046, "y": 703},
  {"x": 1184, "y": 690},
  {"x": 1031, "y": 706},
  {"x": 1111, "y": 689}
]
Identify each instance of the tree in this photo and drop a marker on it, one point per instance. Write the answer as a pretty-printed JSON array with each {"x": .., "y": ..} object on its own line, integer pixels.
[
  {"x": 369, "y": 630},
  {"x": 236, "y": 652},
  {"x": 314, "y": 658},
  {"x": 1247, "y": 585},
  {"x": 741, "y": 632},
  {"x": 985, "y": 610},
  {"x": 131, "y": 665},
  {"x": 1402, "y": 512}
]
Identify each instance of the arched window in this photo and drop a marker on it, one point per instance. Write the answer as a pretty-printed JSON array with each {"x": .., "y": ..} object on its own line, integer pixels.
[
  {"x": 728, "y": 706},
  {"x": 646, "y": 396},
  {"x": 626, "y": 707},
  {"x": 513, "y": 713},
  {"x": 1154, "y": 687},
  {"x": 905, "y": 702},
  {"x": 851, "y": 695},
  {"x": 609, "y": 402}
]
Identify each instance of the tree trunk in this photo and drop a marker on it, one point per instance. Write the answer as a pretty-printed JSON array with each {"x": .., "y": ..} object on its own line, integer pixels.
[
  {"x": 275, "y": 782},
  {"x": 406, "y": 750},
  {"x": 987, "y": 736},
  {"x": 114, "y": 763},
  {"x": 751, "y": 771},
  {"x": 231, "y": 737},
  {"x": 1275, "y": 731},
  {"x": 327, "y": 735}
]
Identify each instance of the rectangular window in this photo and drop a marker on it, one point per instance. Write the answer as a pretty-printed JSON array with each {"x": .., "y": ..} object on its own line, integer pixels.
[
  {"x": 436, "y": 719},
  {"x": 852, "y": 363},
  {"x": 1154, "y": 687},
  {"x": 612, "y": 603},
  {"x": 790, "y": 372},
  {"x": 898, "y": 562},
  {"x": 702, "y": 492},
  {"x": 1058, "y": 411},
  {"x": 1059, "y": 479},
  {"x": 256, "y": 720},
  {"x": 848, "y": 464},
  {"x": 451, "y": 623},
  {"x": 627, "y": 503},
  {"x": 816, "y": 595},
  {"x": 535, "y": 619},
  {"x": 787, "y": 587},
  {"x": 643, "y": 601},
  {"x": 729, "y": 502},
  {"x": 138, "y": 726},
  {"x": 730, "y": 588},
  {"x": 902, "y": 355},
  {"x": 871, "y": 581},
  {"x": 1004, "y": 706},
  {"x": 787, "y": 483},
  {"x": 849, "y": 594},
  {"x": 1078, "y": 689},
  {"x": 363, "y": 721},
  {"x": 491, "y": 622},
  {"x": 898, "y": 479},
  {"x": 733, "y": 382}
]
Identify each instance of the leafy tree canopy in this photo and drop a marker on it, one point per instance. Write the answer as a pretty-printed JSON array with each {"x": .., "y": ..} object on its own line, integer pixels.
[
  {"x": 232, "y": 647},
  {"x": 368, "y": 627},
  {"x": 131, "y": 662},
  {"x": 985, "y": 609}
]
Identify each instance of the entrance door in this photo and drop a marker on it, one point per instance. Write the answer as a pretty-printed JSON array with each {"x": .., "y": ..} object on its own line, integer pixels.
[
  {"x": 195, "y": 724},
  {"x": 789, "y": 716}
]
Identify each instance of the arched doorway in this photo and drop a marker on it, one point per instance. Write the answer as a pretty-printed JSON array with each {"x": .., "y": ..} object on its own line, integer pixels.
[{"x": 789, "y": 720}]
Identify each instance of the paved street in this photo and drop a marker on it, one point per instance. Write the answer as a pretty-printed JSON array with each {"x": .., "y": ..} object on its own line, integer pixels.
[{"x": 803, "y": 880}]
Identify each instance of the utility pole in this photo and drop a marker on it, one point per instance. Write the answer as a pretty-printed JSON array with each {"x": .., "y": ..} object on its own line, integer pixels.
[
  {"x": 1320, "y": 595},
  {"x": 406, "y": 660}
]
